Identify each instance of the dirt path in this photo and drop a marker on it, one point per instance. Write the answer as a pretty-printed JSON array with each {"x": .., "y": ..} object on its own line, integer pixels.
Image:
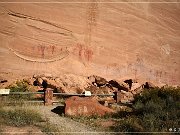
[{"x": 64, "y": 124}]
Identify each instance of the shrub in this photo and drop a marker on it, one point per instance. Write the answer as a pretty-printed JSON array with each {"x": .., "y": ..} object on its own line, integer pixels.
[
  {"x": 154, "y": 110},
  {"x": 20, "y": 86},
  {"x": 128, "y": 124}
]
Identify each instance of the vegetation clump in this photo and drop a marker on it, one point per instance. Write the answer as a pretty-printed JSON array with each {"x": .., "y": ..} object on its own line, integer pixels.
[
  {"x": 19, "y": 117},
  {"x": 154, "y": 110},
  {"x": 20, "y": 86}
]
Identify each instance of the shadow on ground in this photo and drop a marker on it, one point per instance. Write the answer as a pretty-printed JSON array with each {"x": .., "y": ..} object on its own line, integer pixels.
[{"x": 60, "y": 110}]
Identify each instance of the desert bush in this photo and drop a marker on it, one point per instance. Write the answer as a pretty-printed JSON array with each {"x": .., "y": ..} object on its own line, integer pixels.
[
  {"x": 20, "y": 86},
  {"x": 154, "y": 110}
]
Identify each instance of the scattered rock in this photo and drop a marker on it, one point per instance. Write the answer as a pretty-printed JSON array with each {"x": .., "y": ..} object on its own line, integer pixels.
[
  {"x": 119, "y": 85},
  {"x": 87, "y": 106}
]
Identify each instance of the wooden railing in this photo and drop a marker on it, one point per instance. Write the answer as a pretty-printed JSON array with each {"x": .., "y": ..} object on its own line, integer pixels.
[{"x": 48, "y": 95}]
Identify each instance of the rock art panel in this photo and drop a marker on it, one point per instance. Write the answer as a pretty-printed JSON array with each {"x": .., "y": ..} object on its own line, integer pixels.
[
  {"x": 41, "y": 41},
  {"x": 112, "y": 40}
]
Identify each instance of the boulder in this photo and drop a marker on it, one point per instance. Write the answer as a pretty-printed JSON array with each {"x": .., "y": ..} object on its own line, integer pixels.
[
  {"x": 100, "y": 81},
  {"x": 135, "y": 86},
  {"x": 149, "y": 85},
  {"x": 119, "y": 85},
  {"x": 64, "y": 83},
  {"x": 87, "y": 106},
  {"x": 97, "y": 80},
  {"x": 70, "y": 81}
]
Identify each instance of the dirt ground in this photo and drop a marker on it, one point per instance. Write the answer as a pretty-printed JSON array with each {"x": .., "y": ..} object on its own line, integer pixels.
[
  {"x": 27, "y": 130},
  {"x": 64, "y": 124}
]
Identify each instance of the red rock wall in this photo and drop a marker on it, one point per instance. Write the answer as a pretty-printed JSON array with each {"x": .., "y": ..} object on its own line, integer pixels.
[{"x": 113, "y": 40}]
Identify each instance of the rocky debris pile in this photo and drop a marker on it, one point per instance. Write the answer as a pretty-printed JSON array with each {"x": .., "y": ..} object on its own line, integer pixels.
[
  {"x": 123, "y": 91},
  {"x": 69, "y": 83},
  {"x": 85, "y": 106},
  {"x": 126, "y": 89},
  {"x": 64, "y": 84}
]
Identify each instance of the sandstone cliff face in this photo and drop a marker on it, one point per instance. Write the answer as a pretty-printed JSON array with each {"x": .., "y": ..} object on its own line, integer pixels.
[{"x": 113, "y": 40}]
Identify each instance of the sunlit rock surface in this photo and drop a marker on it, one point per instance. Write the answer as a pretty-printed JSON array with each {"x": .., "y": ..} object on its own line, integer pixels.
[{"x": 113, "y": 40}]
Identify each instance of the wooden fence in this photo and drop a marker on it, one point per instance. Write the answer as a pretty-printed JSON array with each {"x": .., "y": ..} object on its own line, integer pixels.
[{"x": 48, "y": 95}]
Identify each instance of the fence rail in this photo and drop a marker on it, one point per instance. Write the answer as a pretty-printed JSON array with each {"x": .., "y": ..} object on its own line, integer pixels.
[
  {"x": 25, "y": 93},
  {"x": 48, "y": 95},
  {"x": 63, "y": 94}
]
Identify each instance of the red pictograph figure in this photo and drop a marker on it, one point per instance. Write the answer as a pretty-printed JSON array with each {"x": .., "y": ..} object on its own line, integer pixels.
[
  {"x": 52, "y": 49},
  {"x": 41, "y": 48},
  {"x": 83, "y": 52},
  {"x": 88, "y": 54},
  {"x": 78, "y": 50}
]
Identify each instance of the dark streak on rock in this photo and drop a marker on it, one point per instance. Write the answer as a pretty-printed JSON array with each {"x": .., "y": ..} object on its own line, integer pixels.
[{"x": 19, "y": 15}]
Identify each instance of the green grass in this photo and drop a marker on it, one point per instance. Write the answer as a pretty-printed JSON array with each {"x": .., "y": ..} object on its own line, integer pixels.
[
  {"x": 19, "y": 117},
  {"x": 19, "y": 99}
]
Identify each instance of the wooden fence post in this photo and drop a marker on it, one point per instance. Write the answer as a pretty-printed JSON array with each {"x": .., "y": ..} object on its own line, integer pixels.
[
  {"x": 117, "y": 96},
  {"x": 48, "y": 96}
]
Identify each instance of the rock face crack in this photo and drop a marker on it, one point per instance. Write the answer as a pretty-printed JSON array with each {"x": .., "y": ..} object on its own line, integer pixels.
[
  {"x": 46, "y": 30},
  {"x": 19, "y": 15}
]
